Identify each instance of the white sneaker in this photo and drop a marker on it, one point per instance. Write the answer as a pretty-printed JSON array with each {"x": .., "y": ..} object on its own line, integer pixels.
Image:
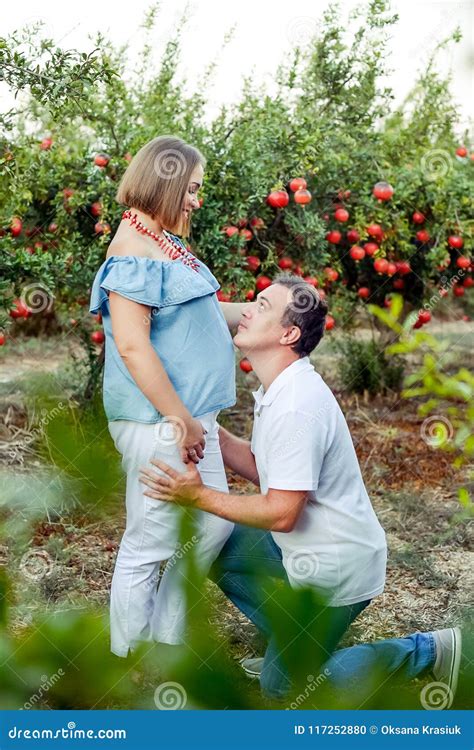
[
  {"x": 448, "y": 657},
  {"x": 252, "y": 667}
]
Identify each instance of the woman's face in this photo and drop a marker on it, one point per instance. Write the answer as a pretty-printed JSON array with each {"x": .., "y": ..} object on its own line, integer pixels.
[{"x": 191, "y": 199}]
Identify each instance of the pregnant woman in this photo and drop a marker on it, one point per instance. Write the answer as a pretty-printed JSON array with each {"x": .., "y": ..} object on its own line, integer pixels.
[{"x": 169, "y": 370}]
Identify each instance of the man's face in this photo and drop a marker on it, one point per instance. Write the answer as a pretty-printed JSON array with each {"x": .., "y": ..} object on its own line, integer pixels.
[{"x": 260, "y": 325}]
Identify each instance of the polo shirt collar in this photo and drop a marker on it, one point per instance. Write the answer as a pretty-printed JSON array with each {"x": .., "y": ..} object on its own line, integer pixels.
[{"x": 265, "y": 398}]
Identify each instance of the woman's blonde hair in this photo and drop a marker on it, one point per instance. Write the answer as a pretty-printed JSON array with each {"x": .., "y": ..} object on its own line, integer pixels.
[{"x": 157, "y": 178}]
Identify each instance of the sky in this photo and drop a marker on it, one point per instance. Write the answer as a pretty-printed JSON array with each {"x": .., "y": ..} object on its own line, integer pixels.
[{"x": 264, "y": 30}]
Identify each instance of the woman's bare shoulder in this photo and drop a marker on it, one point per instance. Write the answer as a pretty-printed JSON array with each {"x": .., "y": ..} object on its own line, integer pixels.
[
  {"x": 118, "y": 248},
  {"x": 133, "y": 245}
]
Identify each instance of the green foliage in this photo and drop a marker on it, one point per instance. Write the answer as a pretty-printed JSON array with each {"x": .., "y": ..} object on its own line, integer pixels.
[
  {"x": 57, "y": 79},
  {"x": 447, "y": 397},
  {"x": 75, "y": 443},
  {"x": 53, "y": 661},
  {"x": 330, "y": 121},
  {"x": 363, "y": 366},
  {"x": 51, "y": 658}
]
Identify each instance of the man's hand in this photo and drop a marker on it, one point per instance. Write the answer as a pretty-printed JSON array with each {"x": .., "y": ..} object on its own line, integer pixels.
[{"x": 181, "y": 488}]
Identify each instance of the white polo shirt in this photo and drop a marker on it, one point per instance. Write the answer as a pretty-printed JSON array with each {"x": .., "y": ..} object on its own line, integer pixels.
[{"x": 301, "y": 441}]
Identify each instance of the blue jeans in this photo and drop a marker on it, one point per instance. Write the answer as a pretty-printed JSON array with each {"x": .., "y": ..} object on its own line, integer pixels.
[{"x": 249, "y": 551}]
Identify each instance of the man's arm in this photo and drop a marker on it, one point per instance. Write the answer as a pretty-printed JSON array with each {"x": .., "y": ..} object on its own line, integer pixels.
[
  {"x": 238, "y": 456},
  {"x": 278, "y": 510}
]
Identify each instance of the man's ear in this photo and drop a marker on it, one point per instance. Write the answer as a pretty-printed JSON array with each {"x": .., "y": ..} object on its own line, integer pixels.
[{"x": 291, "y": 336}]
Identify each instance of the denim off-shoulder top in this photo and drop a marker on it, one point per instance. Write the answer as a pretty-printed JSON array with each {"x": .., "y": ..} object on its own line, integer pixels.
[{"x": 188, "y": 331}]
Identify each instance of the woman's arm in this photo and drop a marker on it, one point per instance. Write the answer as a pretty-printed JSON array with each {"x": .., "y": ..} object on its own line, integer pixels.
[
  {"x": 238, "y": 456},
  {"x": 232, "y": 312},
  {"x": 131, "y": 332}
]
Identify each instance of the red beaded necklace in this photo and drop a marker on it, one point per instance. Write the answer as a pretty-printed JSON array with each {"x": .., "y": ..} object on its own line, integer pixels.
[{"x": 167, "y": 243}]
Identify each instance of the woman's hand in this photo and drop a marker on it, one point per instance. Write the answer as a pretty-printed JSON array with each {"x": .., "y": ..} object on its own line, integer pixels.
[
  {"x": 193, "y": 442},
  {"x": 182, "y": 488}
]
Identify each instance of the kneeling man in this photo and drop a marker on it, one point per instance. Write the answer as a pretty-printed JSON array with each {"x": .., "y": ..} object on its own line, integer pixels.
[{"x": 320, "y": 527}]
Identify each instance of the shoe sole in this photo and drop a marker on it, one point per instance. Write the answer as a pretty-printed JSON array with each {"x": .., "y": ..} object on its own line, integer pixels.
[
  {"x": 248, "y": 672},
  {"x": 456, "y": 661}
]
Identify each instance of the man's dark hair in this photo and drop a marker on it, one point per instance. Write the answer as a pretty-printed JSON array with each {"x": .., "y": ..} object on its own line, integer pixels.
[{"x": 307, "y": 310}]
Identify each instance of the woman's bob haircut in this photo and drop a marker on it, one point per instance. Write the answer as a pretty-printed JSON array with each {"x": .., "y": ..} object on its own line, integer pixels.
[{"x": 157, "y": 178}]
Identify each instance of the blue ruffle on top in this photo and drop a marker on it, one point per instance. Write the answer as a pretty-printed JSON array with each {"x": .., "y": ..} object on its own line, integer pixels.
[
  {"x": 188, "y": 332},
  {"x": 151, "y": 282}
]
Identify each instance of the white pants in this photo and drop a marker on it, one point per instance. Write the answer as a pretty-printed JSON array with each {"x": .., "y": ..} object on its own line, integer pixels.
[{"x": 138, "y": 611}]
